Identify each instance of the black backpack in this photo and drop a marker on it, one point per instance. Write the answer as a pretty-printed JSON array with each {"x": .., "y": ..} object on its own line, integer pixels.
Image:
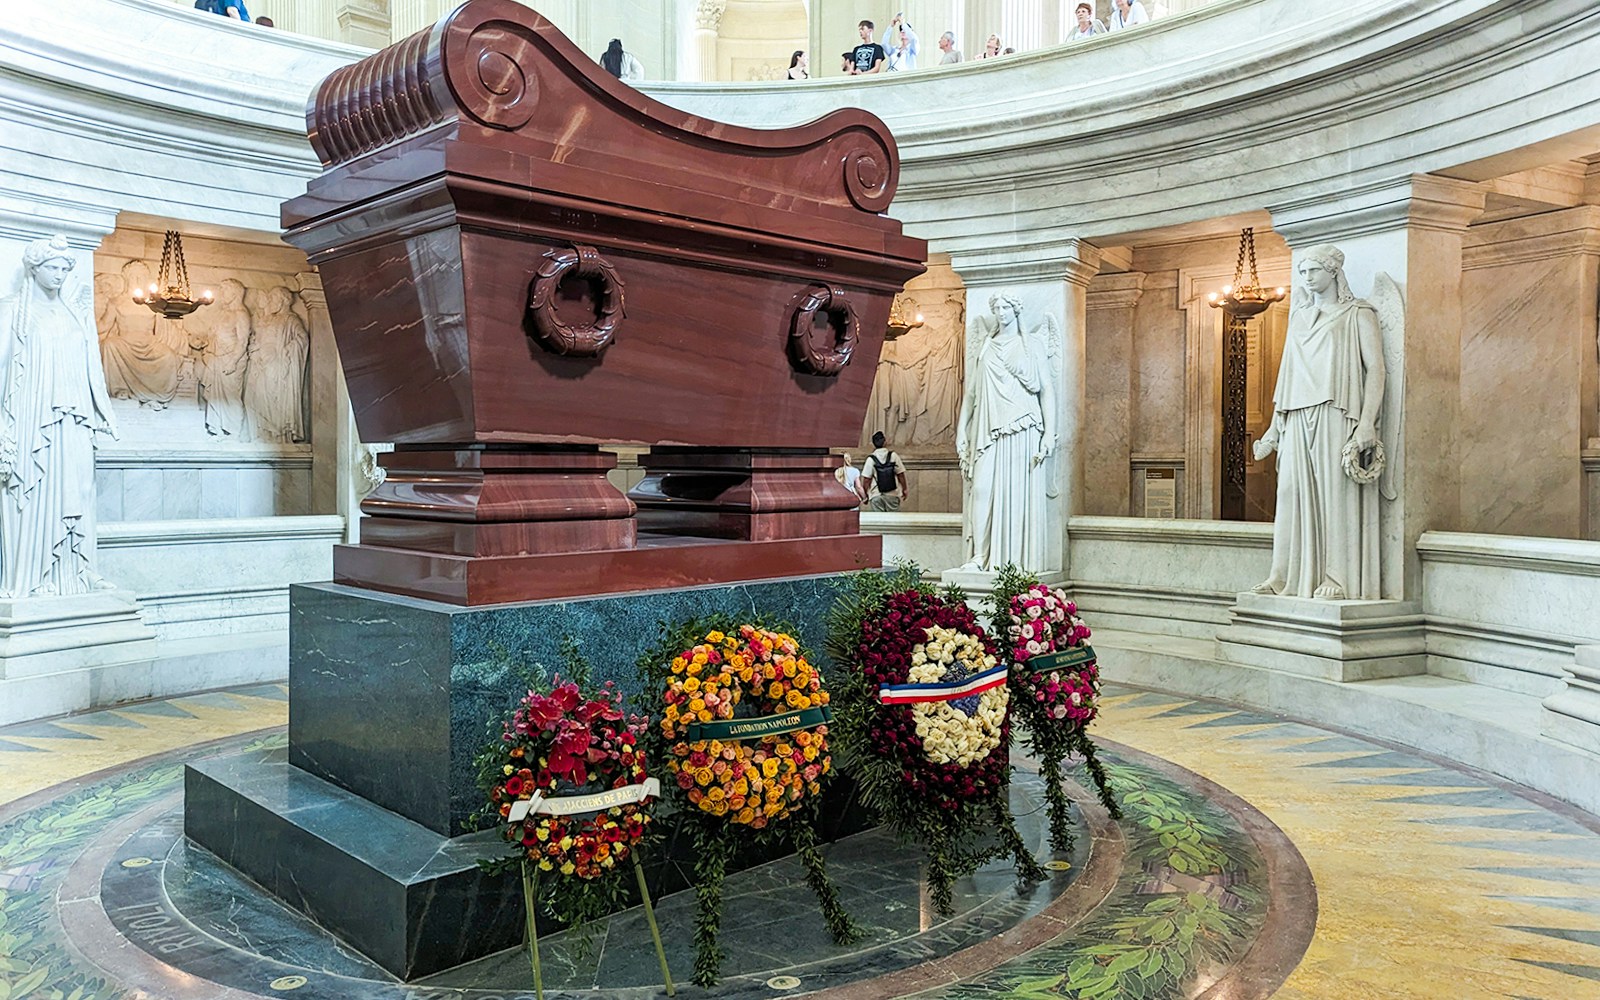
[{"x": 884, "y": 474}]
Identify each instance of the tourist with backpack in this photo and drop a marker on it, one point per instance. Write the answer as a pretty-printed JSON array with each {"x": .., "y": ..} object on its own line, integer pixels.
[{"x": 885, "y": 476}]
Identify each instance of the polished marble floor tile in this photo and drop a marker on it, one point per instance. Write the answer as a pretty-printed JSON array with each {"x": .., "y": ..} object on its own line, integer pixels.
[{"x": 1420, "y": 880}]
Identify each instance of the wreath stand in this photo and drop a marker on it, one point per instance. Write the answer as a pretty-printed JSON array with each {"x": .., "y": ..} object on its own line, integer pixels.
[{"x": 530, "y": 886}]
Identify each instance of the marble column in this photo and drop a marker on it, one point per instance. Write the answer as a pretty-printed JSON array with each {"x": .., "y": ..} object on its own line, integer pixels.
[
  {"x": 1108, "y": 410},
  {"x": 1411, "y": 230},
  {"x": 708, "y": 20},
  {"x": 1050, "y": 282}
]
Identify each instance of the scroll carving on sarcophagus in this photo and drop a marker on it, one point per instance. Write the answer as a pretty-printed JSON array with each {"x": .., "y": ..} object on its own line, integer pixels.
[{"x": 525, "y": 259}]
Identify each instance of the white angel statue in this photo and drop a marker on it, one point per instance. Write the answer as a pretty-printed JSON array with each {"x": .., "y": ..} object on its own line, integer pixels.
[
  {"x": 1336, "y": 419},
  {"x": 1007, "y": 438}
]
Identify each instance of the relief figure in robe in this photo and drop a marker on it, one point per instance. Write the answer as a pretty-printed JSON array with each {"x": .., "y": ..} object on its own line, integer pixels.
[
  {"x": 1325, "y": 428},
  {"x": 916, "y": 393},
  {"x": 1007, "y": 431},
  {"x": 222, "y": 355},
  {"x": 53, "y": 405},
  {"x": 275, "y": 372},
  {"x": 139, "y": 363}
]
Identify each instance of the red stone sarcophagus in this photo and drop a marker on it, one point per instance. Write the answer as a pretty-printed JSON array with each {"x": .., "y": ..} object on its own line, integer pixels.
[{"x": 525, "y": 258}]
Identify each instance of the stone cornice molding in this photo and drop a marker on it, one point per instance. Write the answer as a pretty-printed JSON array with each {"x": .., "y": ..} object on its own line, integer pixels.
[
  {"x": 1213, "y": 117},
  {"x": 1073, "y": 261},
  {"x": 1220, "y": 111},
  {"x": 1419, "y": 202},
  {"x": 84, "y": 226},
  {"x": 1547, "y": 555},
  {"x": 1115, "y": 291},
  {"x": 1565, "y": 233}
]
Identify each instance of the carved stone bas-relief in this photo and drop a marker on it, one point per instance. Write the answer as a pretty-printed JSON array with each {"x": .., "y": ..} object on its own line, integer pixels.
[
  {"x": 53, "y": 406},
  {"x": 1007, "y": 438},
  {"x": 916, "y": 394},
  {"x": 221, "y": 352},
  {"x": 141, "y": 358},
  {"x": 232, "y": 373},
  {"x": 274, "y": 393},
  {"x": 1335, "y": 427}
]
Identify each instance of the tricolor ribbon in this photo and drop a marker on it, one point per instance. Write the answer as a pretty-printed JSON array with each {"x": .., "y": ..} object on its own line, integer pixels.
[
  {"x": 905, "y": 694},
  {"x": 572, "y": 805}
]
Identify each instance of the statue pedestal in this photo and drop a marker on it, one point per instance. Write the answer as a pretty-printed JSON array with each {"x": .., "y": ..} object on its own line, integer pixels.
[
  {"x": 1334, "y": 640},
  {"x": 359, "y": 824},
  {"x": 1572, "y": 715},
  {"x": 43, "y": 638}
]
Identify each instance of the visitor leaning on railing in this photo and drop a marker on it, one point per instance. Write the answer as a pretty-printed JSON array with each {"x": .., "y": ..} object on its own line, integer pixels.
[
  {"x": 1087, "y": 25},
  {"x": 227, "y": 8},
  {"x": 1127, "y": 13}
]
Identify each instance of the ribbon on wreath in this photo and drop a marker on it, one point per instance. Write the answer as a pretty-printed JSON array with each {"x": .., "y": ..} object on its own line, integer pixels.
[
  {"x": 905, "y": 694},
  {"x": 1061, "y": 659},
  {"x": 732, "y": 730},
  {"x": 573, "y": 805}
]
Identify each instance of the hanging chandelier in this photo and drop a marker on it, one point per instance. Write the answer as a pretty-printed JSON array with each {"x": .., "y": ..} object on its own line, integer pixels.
[
  {"x": 901, "y": 320},
  {"x": 1240, "y": 299},
  {"x": 169, "y": 295}
]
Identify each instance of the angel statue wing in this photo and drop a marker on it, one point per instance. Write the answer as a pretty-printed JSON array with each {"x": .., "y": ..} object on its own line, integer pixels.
[
  {"x": 1389, "y": 302},
  {"x": 1049, "y": 333}
]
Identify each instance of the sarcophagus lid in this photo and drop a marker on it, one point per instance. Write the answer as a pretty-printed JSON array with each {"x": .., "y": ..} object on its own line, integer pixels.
[{"x": 518, "y": 247}]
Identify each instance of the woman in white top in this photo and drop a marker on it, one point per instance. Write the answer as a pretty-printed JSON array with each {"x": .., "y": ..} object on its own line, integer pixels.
[
  {"x": 991, "y": 48},
  {"x": 1127, "y": 13},
  {"x": 620, "y": 64},
  {"x": 798, "y": 66},
  {"x": 1088, "y": 25}
]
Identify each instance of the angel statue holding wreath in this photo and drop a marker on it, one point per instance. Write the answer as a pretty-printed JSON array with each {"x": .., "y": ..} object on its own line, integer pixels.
[
  {"x": 1006, "y": 438},
  {"x": 1336, "y": 417}
]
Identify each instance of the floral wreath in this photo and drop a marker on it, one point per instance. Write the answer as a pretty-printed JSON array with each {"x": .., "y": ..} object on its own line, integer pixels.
[
  {"x": 924, "y": 715},
  {"x": 567, "y": 781},
  {"x": 752, "y": 780},
  {"x": 744, "y": 738},
  {"x": 1055, "y": 685}
]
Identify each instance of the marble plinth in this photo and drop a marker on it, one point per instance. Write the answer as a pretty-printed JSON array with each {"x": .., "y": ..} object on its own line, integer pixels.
[
  {"x": 48, "y": 635},
  {"x": 1572, "y": 715},
  {"x": 408, "y": 898},
  {"x": 57, "y": 653},
  {"x": 360, "y": 824},
  {"x": 1335, "y": 640},
  {"x": 391, "y": 697}
]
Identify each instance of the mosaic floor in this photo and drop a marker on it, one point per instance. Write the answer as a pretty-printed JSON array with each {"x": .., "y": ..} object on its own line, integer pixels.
[{"x": 1258, "y": 857}]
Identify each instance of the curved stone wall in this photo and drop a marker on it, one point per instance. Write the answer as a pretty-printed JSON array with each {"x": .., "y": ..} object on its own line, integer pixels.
[{"x": 1306, "y": 109}]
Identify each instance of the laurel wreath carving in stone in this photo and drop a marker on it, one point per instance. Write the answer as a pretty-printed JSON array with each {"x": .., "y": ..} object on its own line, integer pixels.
[
  {"x": 583, "y": 340},
  {"x": 804, "y": 355},
  {"x": 1350, "y": 459}
]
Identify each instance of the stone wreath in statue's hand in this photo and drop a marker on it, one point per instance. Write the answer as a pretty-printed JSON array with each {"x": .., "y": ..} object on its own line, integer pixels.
[{"x": 1265, "y": 446}]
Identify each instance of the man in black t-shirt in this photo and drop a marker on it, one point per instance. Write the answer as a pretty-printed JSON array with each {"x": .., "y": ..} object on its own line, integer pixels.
[{"x": 869, "y": 55}]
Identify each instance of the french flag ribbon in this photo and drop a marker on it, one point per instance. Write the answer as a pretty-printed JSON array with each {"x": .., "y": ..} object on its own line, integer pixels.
[{"x": 905, "y": 694}]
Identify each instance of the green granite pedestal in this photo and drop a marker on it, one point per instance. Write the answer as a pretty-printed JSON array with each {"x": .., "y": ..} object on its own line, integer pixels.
[{"x": 361, "y": 825}]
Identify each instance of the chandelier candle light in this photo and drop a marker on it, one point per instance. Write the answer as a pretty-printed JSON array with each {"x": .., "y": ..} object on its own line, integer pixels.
[
  {"x": 901, "y": 321},
  {"x": 1241, "y": 299},
  {"x": 169, "y": 295}
]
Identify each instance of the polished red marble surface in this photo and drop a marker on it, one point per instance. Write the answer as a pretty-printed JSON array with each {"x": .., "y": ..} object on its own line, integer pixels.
[{"x": 524, "y": 254}]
